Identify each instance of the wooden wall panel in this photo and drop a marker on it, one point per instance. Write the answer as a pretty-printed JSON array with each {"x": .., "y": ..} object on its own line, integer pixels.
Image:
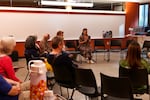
[
  {"x": 132, "y": 13},
  {"x": 20, "y": 48}
]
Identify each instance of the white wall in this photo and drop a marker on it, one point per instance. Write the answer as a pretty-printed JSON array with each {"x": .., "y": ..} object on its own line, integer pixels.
[{"x": 20, "y": 24}]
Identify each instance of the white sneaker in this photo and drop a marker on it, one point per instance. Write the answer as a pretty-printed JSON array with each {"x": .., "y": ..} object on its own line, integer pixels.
[{"x": 92, "y": 62}]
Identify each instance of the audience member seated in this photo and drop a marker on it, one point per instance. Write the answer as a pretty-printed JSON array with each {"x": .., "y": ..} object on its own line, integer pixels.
[
  {"x": 44, "y": 45},
  {"x": 7, "y": 45},
  {"x": 9, "y": 89},
  {"x": 31, "y": 48},
  {"x": 84, "y": 46},
  {"x": 59, "y": 58},
  {"x": 60, "y": 33},
  {"x": 133, "y": 58}
]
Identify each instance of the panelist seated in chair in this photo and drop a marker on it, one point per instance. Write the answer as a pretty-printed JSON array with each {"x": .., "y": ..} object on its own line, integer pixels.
[
  {"x": 58, "y": 57},
  {"x": 133, "y": 59},
  {"x": 84, "y": 45}
]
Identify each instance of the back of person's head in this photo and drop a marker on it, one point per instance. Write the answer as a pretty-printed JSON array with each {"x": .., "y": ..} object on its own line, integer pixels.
[
  {"x": 30, "y": 41},
  {"x": 134, "y": 55},
  {"x": 46, "y": 36},
  {"x": 56, "y": 41},
  {"x": 7, "y": 45},
  {"x": 60, "y": 33},
  {"x": 84, "y": 31}
]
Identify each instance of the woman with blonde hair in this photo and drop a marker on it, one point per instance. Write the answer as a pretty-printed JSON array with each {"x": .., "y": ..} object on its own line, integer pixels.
[{"x": 7, "y": 45}]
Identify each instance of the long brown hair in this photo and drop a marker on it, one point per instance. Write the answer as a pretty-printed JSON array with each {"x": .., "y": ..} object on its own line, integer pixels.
[{"x": 134, "y": 55}]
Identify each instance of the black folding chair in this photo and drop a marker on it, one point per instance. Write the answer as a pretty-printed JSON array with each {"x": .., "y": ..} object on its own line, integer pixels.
[
  {"x": 115, "y": 46},
  {"x": 115, "y": 88},
  {"x": 64, "y": 77},
  {"x": 138, "y": 78},
  {"x": 99, "y": 47},
  {"x": 86, "y": 83},
  {"x": 145, "y": 48}
]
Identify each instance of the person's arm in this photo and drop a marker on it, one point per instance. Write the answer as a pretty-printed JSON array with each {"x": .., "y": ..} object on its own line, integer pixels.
[
  {"x": 81, "y": 41},
  {"x": 8, "y": 89},
  {"x": 7, "y": 62},
  {"x": 12, "y": 82},
  {"x": 14, "y": 91}
]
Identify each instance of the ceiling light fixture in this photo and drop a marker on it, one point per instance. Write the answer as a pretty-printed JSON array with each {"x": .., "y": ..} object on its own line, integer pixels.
[{"x": 57, "y": 3}]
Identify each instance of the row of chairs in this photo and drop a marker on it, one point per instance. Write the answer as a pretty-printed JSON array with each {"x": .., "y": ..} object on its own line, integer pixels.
[
  {"x": 100, "y": 47},
  {"x": 128, "y": 83}
]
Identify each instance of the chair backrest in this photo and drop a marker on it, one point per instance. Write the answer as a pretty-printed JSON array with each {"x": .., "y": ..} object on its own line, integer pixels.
[
  {"x": 71, "y": 44},
  {"x": 85, "y": 78},
  {"x": 29, "y": 56},
  {"x": 99, "y": 44},
  {"x": 116, "y": 87},
  {"x": 116, "y": 43},
  {"x": 146, "y": 44},
  {"x": 138, "y": 78},
  {"x": 64, "y": 75}
]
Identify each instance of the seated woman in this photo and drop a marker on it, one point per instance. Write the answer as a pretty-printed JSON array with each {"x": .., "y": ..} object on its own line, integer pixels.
[
  {"x": 32, "y": 49},
  {"x": 7, "y": 45},
  {"x": 133, "y": 58},
  {"x": 59, "y": 58},
  {"x": 84, "y": 46},
  {"x": 9, "y": 89},
  {"x": 44, "y": 45}
]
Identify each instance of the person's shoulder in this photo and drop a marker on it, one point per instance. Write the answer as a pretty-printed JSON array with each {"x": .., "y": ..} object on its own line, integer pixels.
[
  {"x": 144, "y": 61},
  {"x": 81, "y": 36},
  {"x": 50, "y": 58},
  {"x": 122, "y": 60},
  {"x": 123, "y": 63},
  {"x": 49, "y": 55},
  {"x": 6, "y": 57}
]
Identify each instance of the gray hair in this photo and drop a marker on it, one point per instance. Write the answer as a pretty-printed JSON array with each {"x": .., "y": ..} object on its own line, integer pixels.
[{"x": 7, "y": 45}]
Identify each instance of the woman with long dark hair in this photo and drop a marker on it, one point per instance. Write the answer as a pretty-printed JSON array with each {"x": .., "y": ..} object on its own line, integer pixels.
[
  {"x": 84, "y": 45},
  {"x": 134, "y": 59}
]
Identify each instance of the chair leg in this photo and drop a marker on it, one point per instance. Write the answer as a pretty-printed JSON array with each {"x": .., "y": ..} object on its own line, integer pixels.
[
  {"x": 90, "y": 98},
  {"x": 67, "y": 93},
  {"x": 121, "y": 54},
  {"x": 85, "y": 97},
  {"x": 104, "y": 55},
  {"x": 96, "y": 57},
  {"x": 149, "y": 96},
  {"x": 108, "y": 55},
  {"x": 60, "y": 91},
  {"x": 80, "y": 58},
  {"x": 26, "y": 76},
  {"x": 71, "y": 98}
]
